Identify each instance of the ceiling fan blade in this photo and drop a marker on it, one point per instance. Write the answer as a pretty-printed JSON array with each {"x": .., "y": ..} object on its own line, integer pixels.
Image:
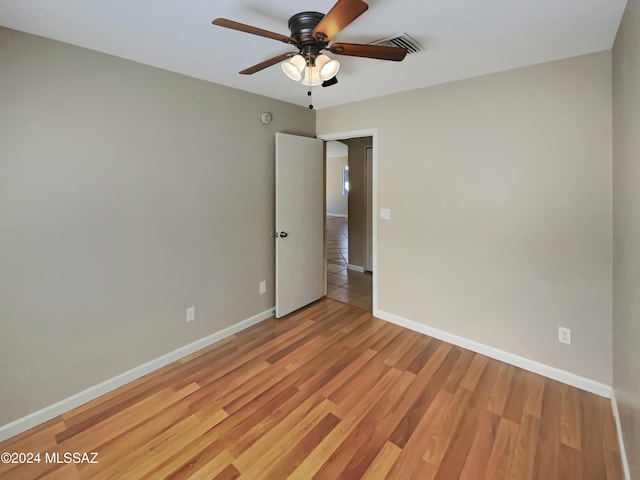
[
  {"x": 342, "y": 14},
  {"x": 267, "y": 63},
  {"x": 223, "y": 22},
  {"x": 380, "y": 52}
]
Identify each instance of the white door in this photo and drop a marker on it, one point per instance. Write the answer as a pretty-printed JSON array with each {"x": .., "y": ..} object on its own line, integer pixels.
[{"x": 299, "y": 222}]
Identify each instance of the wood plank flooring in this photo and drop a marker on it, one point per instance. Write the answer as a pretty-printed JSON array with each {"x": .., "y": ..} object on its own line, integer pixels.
[{"x": 331, "y": 392}]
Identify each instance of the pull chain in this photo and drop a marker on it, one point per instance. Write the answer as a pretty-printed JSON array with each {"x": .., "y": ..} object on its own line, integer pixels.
[{"x": 308, "y": 74}]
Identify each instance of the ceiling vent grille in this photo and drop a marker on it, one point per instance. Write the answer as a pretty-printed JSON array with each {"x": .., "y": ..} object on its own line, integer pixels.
[{"x": 403, "y": 41}]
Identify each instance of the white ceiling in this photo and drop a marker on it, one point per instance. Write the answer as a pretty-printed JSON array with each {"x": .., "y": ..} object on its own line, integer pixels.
[{"x": 462, "y": 38}]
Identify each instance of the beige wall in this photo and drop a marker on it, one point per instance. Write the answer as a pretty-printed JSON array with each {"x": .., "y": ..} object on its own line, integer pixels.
[
  {"x": 337, "y": 203},
  {"x": 357, "y": 199},
  {"x": 626, "y": 230},
  {"x": 127, "y": 194},
  {"x": 500, "y": 196}
]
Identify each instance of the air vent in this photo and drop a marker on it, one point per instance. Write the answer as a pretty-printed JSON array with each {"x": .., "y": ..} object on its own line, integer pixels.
[{"x": 403, "y": 41}]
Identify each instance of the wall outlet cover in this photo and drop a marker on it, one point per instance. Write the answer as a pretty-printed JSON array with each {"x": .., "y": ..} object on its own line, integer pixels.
[
  {"x": 191, "y": 314},
  {"x": 564, "y": 335}
]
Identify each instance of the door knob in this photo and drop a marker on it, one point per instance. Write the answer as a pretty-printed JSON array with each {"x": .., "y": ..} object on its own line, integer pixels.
[{"x": 283, "y": 234}]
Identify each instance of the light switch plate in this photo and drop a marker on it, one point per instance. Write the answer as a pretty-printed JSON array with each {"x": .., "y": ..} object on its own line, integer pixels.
[{"x": 385, "y": 214}]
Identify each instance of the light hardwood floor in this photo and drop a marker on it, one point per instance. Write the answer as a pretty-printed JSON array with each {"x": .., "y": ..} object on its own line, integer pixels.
[{"x": 330, "y": 392}]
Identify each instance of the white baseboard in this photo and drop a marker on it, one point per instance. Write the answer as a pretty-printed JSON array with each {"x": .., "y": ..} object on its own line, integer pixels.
[
  {"x": 47, "y": 413},
  {"x": 356, "y": 268},
  {"x": 623, "y": 453},
  {"x": 510, "y": 358},
  {"x": 340, "y": 215}
]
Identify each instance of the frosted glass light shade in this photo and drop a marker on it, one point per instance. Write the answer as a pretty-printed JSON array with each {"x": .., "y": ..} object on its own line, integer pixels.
[
  {"x": 327, "y": 66},
  {"x": 312, "y": 77},
  {"x": 294, "y": 67}
]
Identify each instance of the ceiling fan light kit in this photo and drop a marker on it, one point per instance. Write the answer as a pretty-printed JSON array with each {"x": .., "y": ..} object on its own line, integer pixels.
[
  {"x": 312, "y": 71},
  {"x": 311, "y": 32}
]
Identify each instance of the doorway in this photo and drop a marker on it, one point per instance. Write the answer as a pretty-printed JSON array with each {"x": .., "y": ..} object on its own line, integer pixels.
[{"x": 349, "y": 229}]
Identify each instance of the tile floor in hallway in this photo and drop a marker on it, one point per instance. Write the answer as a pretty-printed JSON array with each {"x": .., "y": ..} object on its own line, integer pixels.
[{"x": 345, "y": 285}]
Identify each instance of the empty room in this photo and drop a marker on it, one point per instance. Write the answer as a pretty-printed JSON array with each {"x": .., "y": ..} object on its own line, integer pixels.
[{"x": 175, "y": 302}]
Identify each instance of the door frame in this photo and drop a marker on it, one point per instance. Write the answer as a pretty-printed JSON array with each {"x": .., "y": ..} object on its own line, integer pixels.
[
  {"x": 368, "y": 228},
  {"x": 373, "y": 133}
]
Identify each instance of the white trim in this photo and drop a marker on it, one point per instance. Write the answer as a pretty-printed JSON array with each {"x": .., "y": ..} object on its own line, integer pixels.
[
  {"x": 623, "y": 453},
  {"x": 510, "y": 358},
  {"x": 355, "y": 268},
  {"x": 337, "y": 215},
  {"x": 47, "y": 413}
]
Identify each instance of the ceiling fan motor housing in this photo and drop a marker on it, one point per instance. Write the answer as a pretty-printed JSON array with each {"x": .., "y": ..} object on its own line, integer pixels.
[{"x": 301, "y": 26}]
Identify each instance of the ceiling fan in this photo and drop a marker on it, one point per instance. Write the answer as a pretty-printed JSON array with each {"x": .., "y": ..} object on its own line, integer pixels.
[{"x": 311, "y": 32}]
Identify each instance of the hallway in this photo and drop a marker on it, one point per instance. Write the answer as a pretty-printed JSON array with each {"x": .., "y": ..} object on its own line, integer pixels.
[{"x": 343, "y": 284}]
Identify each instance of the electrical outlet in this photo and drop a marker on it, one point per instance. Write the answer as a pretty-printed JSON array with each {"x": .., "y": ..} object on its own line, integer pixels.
[
  {"x": 191, "y": 314},
  {"x": 262, "y": 288},
  {"x": 564, "y": 335}
]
